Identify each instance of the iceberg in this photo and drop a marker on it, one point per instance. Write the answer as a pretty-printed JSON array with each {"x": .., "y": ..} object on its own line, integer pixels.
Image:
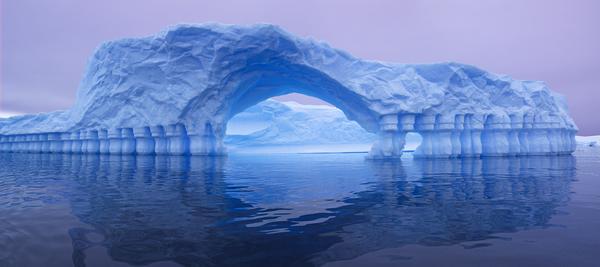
[
  {"x": 588, "y": 141},
  {"x": 174, "y": 92}
]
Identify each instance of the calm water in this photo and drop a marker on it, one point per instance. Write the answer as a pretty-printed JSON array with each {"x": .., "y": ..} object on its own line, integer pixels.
[{"x": 298, "y": 210}]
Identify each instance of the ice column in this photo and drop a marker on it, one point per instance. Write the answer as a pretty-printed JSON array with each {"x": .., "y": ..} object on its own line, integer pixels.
[
  {"x": 554, "y": 134},
  {"x": 538, "y": 136},
  {"x": 103, "y": 142},
  {"x": 442, "y": 136},
  {"x": 83, "y": 136},
  {"x": 514, "y": 140},
  {"x": 27, "y": 143},
  {"x": 16, "y": 144},
  {"x": 568, "y": 132},
  {"x": 524, "y": 134},
  {"x": 572, "y": 142},
  {"x": 93, "y": 144},
  {"x": 204, "y": 143},
  {"x": 425, "y": 125},
  {"x": 76, "y": 142},
  {"x": 406, "y": 124},
  {"x": 494, "y": 138},
  {"x": 55, "y": 142},
  {"x": 387, "y": 145},
  {"x": 127, "y": 141},
  {"x": 66, "y": 142},
  {"x": 15, "y": 140},
  {"x": 45, "y": 143},
  {"x": 24, "y": 145},
  {"x": 144, "y": 143},
  {"x": 459, "y": 121},
  {"x": 3, "y": 142},
  {"x": 160, "y": 140},
  {"x": 12, "y": 146},
  {"x": 477, "y": 124},
  {"x": 7, "y": 144},
  {"x": 178, "y": 140},
  {"x": 114, "y": 141}
]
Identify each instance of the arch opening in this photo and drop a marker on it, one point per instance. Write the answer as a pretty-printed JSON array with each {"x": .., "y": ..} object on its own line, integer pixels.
[{"x": 412, "y": 141}]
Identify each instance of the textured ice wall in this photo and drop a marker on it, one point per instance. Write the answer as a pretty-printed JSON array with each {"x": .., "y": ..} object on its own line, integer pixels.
[{"x": 182, "y": 85}]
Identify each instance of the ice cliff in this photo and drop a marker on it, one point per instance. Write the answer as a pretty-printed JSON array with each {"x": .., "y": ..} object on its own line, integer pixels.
[{"x": 173, "y": 93}]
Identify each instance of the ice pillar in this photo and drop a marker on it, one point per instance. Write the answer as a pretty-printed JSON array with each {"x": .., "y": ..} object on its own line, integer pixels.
[
  {"x": 208, "y": 142},
  {"x": 93, "y": 142},
  {"x": 114, "y": 141},
  {"x": 3, "y": 143},
  {"x": 539, "y": 143},
  {"x": 76, "y": 142},
  {"x": 494, "y": 138},
  {"x": 45, "y": 143},
  {"x": 442, "y": 136},
  {"x": 160, "y": 140},
  {"x": 103, "y": 142},
  {"x": 459, "y": 121},
  {"x": 178, "y": 140},
  {"x": 388, "y": 144},
  {"x": 514, "y": 140},
  {"x": 66, "y": 142},
  {"x": 127, "y": 141},
  {"x": 425, "y": 125},
  {"x": 55, "y": 142},
  {"x": 144, "y": 143}
]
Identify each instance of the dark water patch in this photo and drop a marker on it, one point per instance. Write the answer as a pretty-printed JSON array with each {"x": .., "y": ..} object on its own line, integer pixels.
[{"x": 271, "y": 210}]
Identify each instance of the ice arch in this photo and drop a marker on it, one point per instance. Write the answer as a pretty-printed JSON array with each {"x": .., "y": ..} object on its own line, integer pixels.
[
  {"x": 173, "y": 92},
  {"x": 282, "y": 124}
]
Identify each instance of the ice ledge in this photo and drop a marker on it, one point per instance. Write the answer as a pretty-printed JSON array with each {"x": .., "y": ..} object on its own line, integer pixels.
[{"x": 463, "y": 136}]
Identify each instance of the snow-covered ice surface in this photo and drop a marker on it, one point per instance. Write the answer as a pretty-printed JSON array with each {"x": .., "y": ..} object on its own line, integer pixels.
[{"x": 189, "y": 80}]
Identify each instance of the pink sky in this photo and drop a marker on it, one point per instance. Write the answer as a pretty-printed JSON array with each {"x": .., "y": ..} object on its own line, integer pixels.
[{"x": 45, "y": 44}]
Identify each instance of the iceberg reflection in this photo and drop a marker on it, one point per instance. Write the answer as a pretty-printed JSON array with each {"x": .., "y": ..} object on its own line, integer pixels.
[{"x": 294, "y": 209}]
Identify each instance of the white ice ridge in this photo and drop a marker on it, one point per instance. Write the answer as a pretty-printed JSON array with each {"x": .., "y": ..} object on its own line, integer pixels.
[{"x": 173, "y": 93}]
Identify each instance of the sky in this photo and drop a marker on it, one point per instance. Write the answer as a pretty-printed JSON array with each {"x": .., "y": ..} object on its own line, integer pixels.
[{"x": 45, "y": 44}]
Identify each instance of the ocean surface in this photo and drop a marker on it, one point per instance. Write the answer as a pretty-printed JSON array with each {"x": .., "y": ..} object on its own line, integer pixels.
[{"x": 298, "y": 210}]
